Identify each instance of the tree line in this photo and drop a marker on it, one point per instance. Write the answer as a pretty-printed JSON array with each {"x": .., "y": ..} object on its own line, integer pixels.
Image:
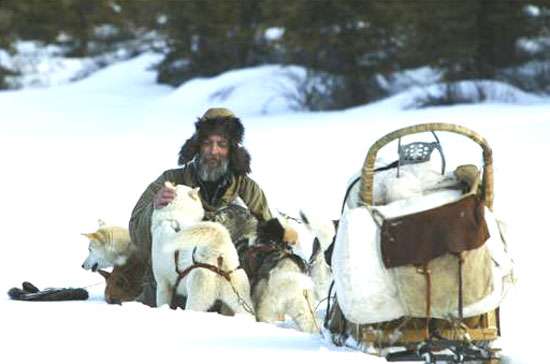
[{"x": 346, "y": 45}]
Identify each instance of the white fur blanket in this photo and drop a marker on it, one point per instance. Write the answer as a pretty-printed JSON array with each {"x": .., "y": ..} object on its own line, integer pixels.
[
  {"x": 413, "y": 180},
  {"x": 368, "y": 292}
]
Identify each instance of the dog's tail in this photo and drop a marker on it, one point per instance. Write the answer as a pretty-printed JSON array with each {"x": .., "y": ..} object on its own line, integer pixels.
[
  {"x": 211, "y": 234},
  {"x": 324, "y": 231}
]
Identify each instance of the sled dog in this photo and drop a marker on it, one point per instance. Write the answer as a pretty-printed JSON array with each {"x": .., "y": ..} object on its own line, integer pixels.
[
  {"x": 124, "y": 282},
  {"x": 280, "y": 285},
  {"x": 177, "y": 227},
  {"x": 319, "y": 268},
  {"x": 109, "y": 246},
  {"x": 240, "y": 223}
]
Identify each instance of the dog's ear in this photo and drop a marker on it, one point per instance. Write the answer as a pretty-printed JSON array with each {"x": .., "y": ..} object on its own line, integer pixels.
[
  {"x": 194, "y": 194},
  {"x": 91, "y": 236}
]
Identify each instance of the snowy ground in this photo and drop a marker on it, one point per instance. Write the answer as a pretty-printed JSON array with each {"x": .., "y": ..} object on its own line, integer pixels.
[{"x": 78, "y": 152}]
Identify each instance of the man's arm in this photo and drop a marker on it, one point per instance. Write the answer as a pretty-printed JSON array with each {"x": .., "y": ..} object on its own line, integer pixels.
[
  {"x": 140, "y": 221},
  {"x": 254, "y": 198}
]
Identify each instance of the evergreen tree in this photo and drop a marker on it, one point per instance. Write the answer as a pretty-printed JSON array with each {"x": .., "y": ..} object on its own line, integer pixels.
[
  {"x": 467, "y": 39},
  {"x": 345, "y": 45},
  {"x": 7, "y": 16},
  {"x": 208, "y": 37},
  {"x": 82, "y": 19},
  {"x": 351, "y": 40}
]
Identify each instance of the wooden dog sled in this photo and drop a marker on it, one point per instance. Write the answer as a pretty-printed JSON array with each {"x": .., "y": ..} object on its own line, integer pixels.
[{"x": 425, "y": 338}]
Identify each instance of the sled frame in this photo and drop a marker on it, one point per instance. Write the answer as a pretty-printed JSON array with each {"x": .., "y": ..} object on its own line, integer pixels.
[{"x": 479, "y": 329}]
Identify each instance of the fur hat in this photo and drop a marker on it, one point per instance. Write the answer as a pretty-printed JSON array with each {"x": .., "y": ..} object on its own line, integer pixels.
[{"x": 219, "y": 121}]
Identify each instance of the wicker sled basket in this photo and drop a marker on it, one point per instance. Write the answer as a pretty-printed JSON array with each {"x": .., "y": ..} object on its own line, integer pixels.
[{"x": 408, "y": 331}]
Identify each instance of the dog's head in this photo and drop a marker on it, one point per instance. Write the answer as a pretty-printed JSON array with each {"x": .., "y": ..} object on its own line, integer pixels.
[
  {"x": 276, "y": 231},
  {"x": 121, "y": 285},
  {"x": 108, "y": 246},
  {"x": 186, "y": 208},
  {"x": 239, "y": 221}
]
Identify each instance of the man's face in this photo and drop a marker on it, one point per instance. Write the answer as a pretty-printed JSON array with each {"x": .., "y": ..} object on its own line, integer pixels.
[
  {"x": 214, "y": 149},
  {"x": 213, "y": 157}
]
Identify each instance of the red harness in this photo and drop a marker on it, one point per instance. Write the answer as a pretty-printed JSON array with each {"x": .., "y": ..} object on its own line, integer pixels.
[{"x": 182, "y": 274}]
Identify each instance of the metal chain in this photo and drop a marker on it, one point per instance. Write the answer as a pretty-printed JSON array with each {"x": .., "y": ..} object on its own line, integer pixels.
[{"x": 241, "y": 300}]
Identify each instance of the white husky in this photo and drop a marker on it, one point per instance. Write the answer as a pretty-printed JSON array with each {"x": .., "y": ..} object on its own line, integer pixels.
[
  {"x": 280, "y": 283},
  {"x": 319, "y": 270},
  {"x": 108, "y": 246},
  {"x": 178, "y": 227}
]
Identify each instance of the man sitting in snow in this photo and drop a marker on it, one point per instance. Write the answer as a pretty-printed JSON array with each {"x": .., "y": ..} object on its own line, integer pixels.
[{"x": 214, "y": 160}]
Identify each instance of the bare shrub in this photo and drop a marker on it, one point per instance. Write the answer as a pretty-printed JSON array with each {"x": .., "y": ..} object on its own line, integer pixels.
[
  {"x": 452, "y": 94},
  {"x": 534, "y": 77}
]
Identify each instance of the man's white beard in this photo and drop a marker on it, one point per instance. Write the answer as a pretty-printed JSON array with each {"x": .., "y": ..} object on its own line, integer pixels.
[{"x": 211, "y": 174}]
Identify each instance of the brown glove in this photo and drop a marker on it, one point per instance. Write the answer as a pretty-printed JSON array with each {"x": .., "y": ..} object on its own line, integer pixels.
[{"x": 31, "y": 293}]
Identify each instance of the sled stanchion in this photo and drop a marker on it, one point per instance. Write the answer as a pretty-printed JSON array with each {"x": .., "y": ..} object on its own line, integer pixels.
[
  {"x": 367, "y": 171},
  {"x": 461, "y": 339},
  {"x": 460, "y": 283},
  {"x": 424, "y": 270}
]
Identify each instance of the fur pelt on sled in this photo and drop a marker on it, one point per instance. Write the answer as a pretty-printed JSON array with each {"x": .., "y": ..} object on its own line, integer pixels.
[
  {"x": 413, "y": 180},
  {"x": 369, "y": 293}
]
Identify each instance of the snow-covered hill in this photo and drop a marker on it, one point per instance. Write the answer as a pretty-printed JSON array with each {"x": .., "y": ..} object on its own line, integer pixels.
[{"x": 86, "y": 150}]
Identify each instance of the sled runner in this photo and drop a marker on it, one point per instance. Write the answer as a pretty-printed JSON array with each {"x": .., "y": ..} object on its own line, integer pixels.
[{"x": 429, "y": 280}]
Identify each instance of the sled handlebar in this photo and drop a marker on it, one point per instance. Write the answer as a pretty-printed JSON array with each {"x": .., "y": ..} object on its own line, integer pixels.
[{"x": 367, "y": 172}]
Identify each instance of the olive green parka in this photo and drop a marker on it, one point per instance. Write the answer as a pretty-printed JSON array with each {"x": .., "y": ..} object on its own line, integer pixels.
[{"x": 239, "y": 187}]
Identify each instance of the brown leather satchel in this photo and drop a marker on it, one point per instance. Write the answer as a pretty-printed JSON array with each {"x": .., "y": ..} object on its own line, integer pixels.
[{"x": 420, "y": 237}]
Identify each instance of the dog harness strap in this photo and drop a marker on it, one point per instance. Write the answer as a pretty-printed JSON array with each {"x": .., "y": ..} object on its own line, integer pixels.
[
  {"x": 186, "y": 271},
  {"x": 261, "y": 259},
  {"x": 211, "y": 267},
  {"x": 173, "y": 304},
  {"x": 176, "y": 259},
  {"x": 255, "y": 255}
]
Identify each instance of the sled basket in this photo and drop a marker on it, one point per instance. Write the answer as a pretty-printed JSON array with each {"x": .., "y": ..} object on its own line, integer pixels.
[{"x": 411, "y": 331}]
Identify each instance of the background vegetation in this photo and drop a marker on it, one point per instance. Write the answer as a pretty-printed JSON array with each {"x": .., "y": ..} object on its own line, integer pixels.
[{"x": 349, "y": 47}]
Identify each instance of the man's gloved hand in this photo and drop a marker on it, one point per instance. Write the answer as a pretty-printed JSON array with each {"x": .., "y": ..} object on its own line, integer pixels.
[{"x": 31, "y": 293}]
